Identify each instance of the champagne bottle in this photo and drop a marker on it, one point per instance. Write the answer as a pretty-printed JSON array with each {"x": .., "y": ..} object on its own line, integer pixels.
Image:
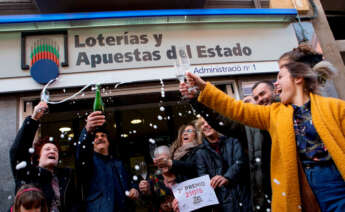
[{"x": 98, "y": 104}]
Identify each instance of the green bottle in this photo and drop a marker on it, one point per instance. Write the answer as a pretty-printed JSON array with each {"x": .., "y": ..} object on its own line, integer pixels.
[{"x": 98, "y": 104}]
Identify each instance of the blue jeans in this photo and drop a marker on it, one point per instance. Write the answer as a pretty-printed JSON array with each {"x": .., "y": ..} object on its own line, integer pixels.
[{"x": 328, "y": 186}]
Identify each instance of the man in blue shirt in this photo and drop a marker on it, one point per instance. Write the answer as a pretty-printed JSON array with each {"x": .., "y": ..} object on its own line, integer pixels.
[{"x": 105, "y": 183}]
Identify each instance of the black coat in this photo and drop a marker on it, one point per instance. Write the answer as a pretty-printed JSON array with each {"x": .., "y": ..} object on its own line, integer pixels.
[
  {"x": 185, "y": 168},
  {"x": 103, "y": 179},
  {"x": 258, "y": 145},
  {"x": 38, "y": 176},
  {"x": 231, "y": 164}
]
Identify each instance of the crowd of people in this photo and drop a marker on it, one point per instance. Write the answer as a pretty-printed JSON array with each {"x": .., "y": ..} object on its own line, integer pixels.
[{"x": 279, "y": 149}]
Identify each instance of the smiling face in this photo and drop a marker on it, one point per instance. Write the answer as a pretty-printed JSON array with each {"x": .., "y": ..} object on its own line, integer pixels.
[
  {"x": 188, "y": 134},
  {"x": 263, "y": 94},
  {"x": 101, "y": 143},
  {"x": 208, "y": 131},
  {"x": 285, "y": 86},
  {"x": 49, "y": 156}
]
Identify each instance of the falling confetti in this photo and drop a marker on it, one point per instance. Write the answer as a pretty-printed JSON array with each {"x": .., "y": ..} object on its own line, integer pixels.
[
  {"x": 221, "y": 123},
  {"x": 137, "y": 167},
  {"x": 258, "y": 160},
  {"x": 276, "y": 181},
  {"x": 284, "y": 194},
  {"x": 154, "y": 126},
  {"x": 135, "y": 178},
  {"x": 152, "y": 141},
  {"x": 162, "y": 108},
  {"x": 180, "y": 114},
  {"x": 127, "y": 193},
  {"x": 159, "y": 117},
  {"x": 31, "y": 150},
  {"x": 51, "y": 139},
  {"x": 21, "y": 165}
]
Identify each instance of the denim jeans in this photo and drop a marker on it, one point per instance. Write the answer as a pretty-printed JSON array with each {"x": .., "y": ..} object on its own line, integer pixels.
[{"x": 328, "y": 186}]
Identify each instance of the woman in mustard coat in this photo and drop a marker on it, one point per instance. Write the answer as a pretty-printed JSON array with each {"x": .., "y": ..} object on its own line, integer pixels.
[{"x": 303, "y": 122}]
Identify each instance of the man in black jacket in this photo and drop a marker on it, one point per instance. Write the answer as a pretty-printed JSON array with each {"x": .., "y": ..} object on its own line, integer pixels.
[
  {"x": 223, "y": 159},
  {"x": 57, "y": 184},
  {"x": 105, "y": 182}
]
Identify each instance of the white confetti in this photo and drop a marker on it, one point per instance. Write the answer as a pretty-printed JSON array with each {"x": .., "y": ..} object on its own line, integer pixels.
[
  {"x": 51, "y": 139},
  {"x": 180, "y": 114},
  {"x": 154, "y": 126},
  {"x": 159, "y": 117},
  {"x": 258, "y": 160},
  {"x": 258, "y": 207},
  {"x": 135, "y": 178},
  {"x": 127, "y": 193},
  {"x": 31, "y": 150},
  {"x": 221, "y": 123},
  {"x": 284, "y": 194},
  {"x": 9, "y": 197},
  {"x": 241, "y": 204},
  {"x": 137, "y": 167},
  {"x": 21, "y": 165},
  {"x": 62, "y": 135},
  {"x": 152, "y": 141},
  {"x": 276, "y": 181},
  {"x": 162, "y": 108}
]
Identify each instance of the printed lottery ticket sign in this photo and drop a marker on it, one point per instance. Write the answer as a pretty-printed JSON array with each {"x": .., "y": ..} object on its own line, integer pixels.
[{"x": 194, "y": 194}]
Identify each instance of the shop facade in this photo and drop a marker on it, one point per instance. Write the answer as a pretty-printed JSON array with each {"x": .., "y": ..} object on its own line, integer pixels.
[{"x": 132, "y": 57}]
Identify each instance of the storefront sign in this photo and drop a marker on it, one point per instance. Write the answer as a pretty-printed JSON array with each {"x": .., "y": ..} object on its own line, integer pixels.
[
  {"x": 194, "y": 194},
  {"x": 146, "y": 53},
  {"x": 138, "y": 47}
]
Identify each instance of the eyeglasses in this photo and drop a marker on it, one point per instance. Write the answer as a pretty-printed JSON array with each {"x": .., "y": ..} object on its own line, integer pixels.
[{"x": 188, "y": 131}]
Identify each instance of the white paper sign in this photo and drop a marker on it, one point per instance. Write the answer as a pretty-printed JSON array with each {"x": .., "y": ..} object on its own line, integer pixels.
[{"x": 194, "y": 193}]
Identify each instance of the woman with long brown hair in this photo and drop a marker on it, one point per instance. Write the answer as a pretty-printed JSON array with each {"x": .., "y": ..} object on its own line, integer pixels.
[{"x": 181, "y": 162}]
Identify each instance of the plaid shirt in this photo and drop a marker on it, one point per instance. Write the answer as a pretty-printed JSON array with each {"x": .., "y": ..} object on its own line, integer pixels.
[{"x": 310, "y": 146}]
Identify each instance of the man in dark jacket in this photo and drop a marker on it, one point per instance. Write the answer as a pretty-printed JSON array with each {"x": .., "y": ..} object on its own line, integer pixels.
[
  {"x": 57, "y": 184},
  {"x": 258, "y": 143},
  {"x": 222, "y": 158},
  {"x": 105, "y": 183}
]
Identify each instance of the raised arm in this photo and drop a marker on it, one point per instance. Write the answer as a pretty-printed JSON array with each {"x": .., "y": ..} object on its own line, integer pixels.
[
  {"x": 257, "y": 116},
  {"x": 253, "y": 115},
  {"x": 218, "y": 122},
  {"x": 19, "y": 150}
]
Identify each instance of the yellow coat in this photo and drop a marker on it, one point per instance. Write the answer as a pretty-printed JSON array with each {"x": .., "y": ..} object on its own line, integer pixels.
[{"x": 328, "y": 116}]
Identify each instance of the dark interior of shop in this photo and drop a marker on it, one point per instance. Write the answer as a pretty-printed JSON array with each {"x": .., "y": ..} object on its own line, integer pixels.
[{"x": 131, "y": 121}]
